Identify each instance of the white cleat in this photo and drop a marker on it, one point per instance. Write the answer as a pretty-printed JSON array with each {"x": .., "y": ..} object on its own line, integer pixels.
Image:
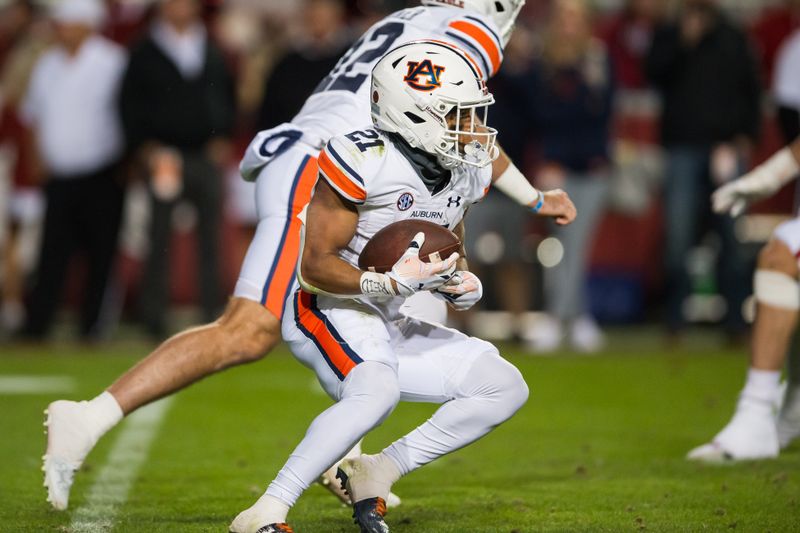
[
  {"x": 329, "y": 481},
  {"x": 789, "y": 417},
  {"x": 248, "y": 521},
  {"x": 393, "y": 500},
  {"x": 69, "y": 440},
  {"x": 367, "y": 476},
  {"x": 267, "y": 515},
  {"x": 751, "y": 434}
]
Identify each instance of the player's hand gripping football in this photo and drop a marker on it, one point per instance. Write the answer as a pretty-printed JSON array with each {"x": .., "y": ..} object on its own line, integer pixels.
[
  {"x": 410, "y": 274},
  {"x": 557, "y": 204},
  {"x": 462, "y": 291}
]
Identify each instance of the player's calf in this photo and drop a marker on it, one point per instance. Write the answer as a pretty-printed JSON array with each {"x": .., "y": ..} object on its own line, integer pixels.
[{"x": 248, "y": 330}]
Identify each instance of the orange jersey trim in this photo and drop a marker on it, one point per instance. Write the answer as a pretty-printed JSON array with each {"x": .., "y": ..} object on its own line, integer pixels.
[
  {"x": 472, "y": 61},
  {"x": 482, "y": 38},
  {"x": 339, "y": 179}
]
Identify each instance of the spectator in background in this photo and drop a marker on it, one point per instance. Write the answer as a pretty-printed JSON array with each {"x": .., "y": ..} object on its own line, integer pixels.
[
  {"x": 178, "y": 108},
  {"x": 628, "y": 36},
  {"x": 22, "y": 41},
  {"x": 312, "y": 55},
  {"x": 71, "y": 107},
  {"x": 570, "y": 94},
  {"x": 770, "y": 30},
  {"x": 709, "y": 81},
  {"x": 495, "y": 228},
  {"x": 787, "y": 86}
]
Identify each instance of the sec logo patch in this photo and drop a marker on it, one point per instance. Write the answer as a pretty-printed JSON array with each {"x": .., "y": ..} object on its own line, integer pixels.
[{"x": 405, "y": 201}]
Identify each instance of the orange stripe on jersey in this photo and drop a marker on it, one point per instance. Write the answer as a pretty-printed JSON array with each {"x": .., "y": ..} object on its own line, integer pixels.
[
  {"x": 315, "y": 326},
  {"x": 340, "y": 180},
  {"x": 457, "y": 49},
  {"x": 281, "y": 277},
  {"x": 482, "y": 38}
]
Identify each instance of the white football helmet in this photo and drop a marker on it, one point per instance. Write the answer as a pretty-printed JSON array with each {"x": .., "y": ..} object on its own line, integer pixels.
[
  {"x": 432, "y": 95},
  {"x": 502, "y": 12}
]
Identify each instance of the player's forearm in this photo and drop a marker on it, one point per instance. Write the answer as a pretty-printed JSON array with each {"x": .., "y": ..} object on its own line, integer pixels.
[
  {"x": 507, "y": 179},
  {"x": 326, "y": 273}
]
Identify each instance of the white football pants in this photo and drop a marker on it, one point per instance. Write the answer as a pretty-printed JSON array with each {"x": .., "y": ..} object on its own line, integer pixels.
[{"x": 367, "y": 365}]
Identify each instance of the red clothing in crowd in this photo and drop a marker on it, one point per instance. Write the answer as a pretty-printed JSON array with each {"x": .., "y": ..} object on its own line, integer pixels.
[
  {"x": 769, "y": 32},
  {"x": 628, "y": 40}
]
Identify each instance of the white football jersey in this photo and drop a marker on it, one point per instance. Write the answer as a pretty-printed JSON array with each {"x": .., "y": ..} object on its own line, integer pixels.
[
  {"x": 342, "y": 98},
  {"x": 367, "y": 168}
]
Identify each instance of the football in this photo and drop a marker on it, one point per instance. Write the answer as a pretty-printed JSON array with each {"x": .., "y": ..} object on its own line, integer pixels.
[{"x": 388, "y": 245}]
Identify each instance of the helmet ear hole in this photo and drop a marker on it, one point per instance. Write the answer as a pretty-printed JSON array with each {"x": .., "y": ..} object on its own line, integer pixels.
[{"x": 499, "y": 7}]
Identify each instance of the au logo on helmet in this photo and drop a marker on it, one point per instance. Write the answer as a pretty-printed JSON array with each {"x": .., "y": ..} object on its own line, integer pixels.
[{"x": 424, "y": 76}]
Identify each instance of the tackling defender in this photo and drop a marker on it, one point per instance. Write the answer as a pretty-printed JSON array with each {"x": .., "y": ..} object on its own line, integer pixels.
[
  {"x": 429, "y": 146},
  {"x": 754, "y": 432},
  {"x": 283, "y": 161}
]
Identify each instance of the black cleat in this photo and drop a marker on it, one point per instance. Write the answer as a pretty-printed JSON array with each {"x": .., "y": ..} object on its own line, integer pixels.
[
  {"x": 276, "y": 528},
  {"x": 369, "y": 513}
]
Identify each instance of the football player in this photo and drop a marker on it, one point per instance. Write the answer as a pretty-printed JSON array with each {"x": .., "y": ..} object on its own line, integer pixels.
[
  {"x": 755, "y": 432},
  {"x": 283, "y": 162},
  {"x": 428, "y": 145}
]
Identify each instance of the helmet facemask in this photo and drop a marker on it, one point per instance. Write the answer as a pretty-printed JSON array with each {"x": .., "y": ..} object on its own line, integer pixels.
[{"x": 466, "y": 138}]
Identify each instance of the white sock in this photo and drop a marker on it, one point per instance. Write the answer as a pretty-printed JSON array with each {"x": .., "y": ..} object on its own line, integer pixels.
[
  {"x": 271, "y": 510},
  {"x": 762, "y": 385},
  {"x": 374, "y": 476},
  {"x": 385, "y": 468},
  {"x": 103, "y": 413}
]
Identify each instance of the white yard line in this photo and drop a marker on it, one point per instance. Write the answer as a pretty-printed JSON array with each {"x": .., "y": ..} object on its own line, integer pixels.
[
  {"x": 110, "y": 490},
  {"x": 22, "y": 384}
]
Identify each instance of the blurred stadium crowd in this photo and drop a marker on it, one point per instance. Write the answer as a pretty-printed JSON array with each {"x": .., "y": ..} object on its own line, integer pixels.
[{"x": 122, "y": 123}]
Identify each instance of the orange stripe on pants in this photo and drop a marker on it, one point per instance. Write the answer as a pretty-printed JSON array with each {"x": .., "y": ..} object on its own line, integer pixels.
[
  {"x": 287, "y": 255},
  {"x": 313, "y": 325}
]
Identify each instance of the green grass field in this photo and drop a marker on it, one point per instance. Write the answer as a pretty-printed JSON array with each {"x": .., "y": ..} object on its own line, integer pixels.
[{"x": 598, "y": 447}]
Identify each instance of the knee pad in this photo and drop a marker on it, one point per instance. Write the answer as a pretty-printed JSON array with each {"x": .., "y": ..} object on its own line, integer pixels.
[
  {"x": 776, "y": 289},
  {"x": 376, "y": 385},
  {"x": 493, "y": 377}
]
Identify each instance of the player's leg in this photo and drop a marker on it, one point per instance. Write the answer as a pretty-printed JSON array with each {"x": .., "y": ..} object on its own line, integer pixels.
[
  {"x": 248, "y": 329},
  {"x": 350, "y": 350},
  {"x": 752, "y": 432},
  {"x": 477, "y": 388},
  {"x": 789, "y": 416}
]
